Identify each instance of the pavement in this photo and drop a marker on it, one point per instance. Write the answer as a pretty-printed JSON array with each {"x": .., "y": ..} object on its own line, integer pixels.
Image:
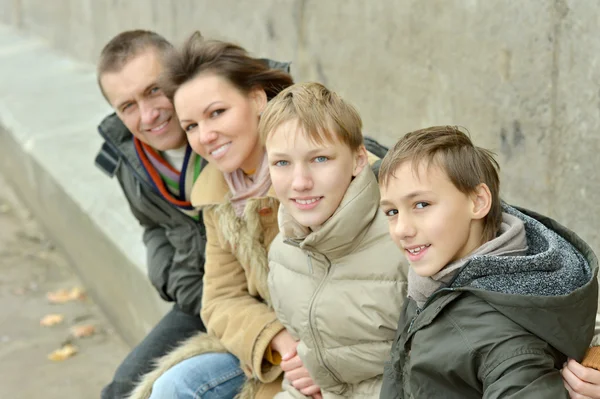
[{"x": 30, "y": 267}]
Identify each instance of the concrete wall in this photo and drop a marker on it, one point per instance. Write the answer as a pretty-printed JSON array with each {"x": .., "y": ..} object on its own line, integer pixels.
[{"x": 523, "y": 77}]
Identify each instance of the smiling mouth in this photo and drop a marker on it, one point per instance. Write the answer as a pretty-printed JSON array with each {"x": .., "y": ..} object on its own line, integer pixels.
[
  {"x": 307, "y": 201},
  {"x": 161, "y": 126},
  {"x": 220, "y": 150},
  {"x": 417, "y": 250}
]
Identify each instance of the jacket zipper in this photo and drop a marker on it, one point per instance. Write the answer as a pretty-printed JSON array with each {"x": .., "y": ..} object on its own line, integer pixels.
[{"x": 314, "y": 334}]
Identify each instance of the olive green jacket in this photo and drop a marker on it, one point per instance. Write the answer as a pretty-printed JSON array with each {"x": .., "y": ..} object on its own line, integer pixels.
[{"x": 504, "y": 326}]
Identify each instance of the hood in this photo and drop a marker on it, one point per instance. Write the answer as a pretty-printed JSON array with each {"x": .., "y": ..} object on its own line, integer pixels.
[
  {"x": 551, "y": 290},
  {"x": 344, "y": 230}
]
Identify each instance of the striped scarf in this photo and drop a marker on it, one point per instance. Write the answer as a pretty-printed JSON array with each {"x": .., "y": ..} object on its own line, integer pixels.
[{"x": 172, "y": 185}]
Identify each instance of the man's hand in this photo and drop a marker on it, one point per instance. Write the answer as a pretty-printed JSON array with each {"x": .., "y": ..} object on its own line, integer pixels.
[{"x": 581, "y": 382}]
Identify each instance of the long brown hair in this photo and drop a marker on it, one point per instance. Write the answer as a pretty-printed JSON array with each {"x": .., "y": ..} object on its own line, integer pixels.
[{"x": 224, "y": 59}]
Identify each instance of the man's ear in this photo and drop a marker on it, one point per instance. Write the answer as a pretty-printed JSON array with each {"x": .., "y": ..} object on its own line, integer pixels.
[
  {"x": 482, "y": 201},
  {"x": 360, "y": 160},
  {"x": 259, "y": 98}
]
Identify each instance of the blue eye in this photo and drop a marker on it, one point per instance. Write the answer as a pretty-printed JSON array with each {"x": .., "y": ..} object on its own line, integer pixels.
[
  {"x": 281, "y": 163},
  {"x": 421, "y": 205},
  {"x": 190, "y": 127},
  {"x": 154, "y": 90},
  {"x": 321, "y": 159},
  {"x": 391, "y": 212}
]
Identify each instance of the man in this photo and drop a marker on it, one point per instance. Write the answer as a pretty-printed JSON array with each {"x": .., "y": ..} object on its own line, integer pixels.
[{"x": 146, "y": 149}]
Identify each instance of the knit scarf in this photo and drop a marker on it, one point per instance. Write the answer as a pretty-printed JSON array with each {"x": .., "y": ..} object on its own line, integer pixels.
[
  {"x": 174, "y": 186},
  {"x": 511, "y": 241},
  {"x": 243, "y": 187}
]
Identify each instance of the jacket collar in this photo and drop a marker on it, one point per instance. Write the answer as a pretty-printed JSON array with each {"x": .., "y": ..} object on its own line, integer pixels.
[{"x": 344, "y": 230}]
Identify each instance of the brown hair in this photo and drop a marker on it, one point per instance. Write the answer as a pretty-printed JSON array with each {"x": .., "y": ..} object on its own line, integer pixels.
[
  {"x": 125, "y": 46},
  {"x": 320, "y": 113},
  {"x": 224, "y": 59},
  {"x": 466, "y": 165}
]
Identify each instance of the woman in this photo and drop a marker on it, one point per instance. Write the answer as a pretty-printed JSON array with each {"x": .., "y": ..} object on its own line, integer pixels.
[{"x": 219, "y": 92}]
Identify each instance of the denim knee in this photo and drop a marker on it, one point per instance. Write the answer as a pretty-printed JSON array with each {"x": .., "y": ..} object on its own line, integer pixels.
[{"x": 207, "y": 376}]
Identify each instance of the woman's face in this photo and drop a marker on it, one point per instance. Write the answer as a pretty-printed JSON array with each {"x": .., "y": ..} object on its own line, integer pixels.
[{"x": 221, "y": 121}]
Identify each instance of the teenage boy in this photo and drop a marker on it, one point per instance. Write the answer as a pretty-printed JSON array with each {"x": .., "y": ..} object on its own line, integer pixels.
[
  {"x": 337, "y": 281},
  {"x": 499, "y": 297}
]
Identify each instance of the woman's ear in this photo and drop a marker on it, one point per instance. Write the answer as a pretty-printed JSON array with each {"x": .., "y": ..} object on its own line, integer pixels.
[
  {"x": 482, "y": 201},
  {"x": 361, "y": 160},
  {"x": 259, "y": 99}
]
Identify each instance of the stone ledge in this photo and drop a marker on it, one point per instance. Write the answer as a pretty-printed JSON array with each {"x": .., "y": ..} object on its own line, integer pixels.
[{"x": 50, "y": 106}]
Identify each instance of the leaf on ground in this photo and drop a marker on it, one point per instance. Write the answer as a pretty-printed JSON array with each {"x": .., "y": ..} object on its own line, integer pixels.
[
  {"x": 63, "y": 353},
  {"x": 84, "y": 330},
  {"x": 51, "y": 319},
  {"x": 64, "y": 295},
  {"x": 4, "y": 208}
]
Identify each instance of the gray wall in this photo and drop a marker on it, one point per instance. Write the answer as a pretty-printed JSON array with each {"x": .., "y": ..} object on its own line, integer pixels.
[{"x": 521, "y": 76}]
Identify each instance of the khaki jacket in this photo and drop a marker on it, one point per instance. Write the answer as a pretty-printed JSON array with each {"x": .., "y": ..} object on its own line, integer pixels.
[
  {"x": 235, "y": 301},
  {"x": 340, "y": 291}
]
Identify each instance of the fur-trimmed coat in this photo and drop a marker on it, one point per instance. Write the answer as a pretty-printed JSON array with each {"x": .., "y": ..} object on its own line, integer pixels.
[{"x": 235, "y": 302}]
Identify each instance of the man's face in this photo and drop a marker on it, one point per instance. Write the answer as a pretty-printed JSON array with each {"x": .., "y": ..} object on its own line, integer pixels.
[
  {"x": 310, "y": 179},
  {"x": 429, "y": 218},
  {"x": 141, "y": 105}
]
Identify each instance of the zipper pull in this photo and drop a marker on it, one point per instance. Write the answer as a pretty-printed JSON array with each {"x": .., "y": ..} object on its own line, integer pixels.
[{"x": 410, "y": 326}]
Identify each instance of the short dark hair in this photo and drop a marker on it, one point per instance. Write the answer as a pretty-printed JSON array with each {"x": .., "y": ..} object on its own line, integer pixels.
[
  {"x": 224, "y": 59},
  {"x": 452, "y": 150},
  {"x": 126, "y": 45}
]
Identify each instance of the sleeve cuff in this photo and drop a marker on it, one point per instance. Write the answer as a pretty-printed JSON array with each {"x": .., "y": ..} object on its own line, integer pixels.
[
  {"x": 265, "y": 370},
  {"x": 592, "y": 358}
]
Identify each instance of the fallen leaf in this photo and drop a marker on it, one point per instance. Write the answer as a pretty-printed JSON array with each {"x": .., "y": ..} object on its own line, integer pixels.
[
  {"x": 63, "y": 353},
  {"x": 77, "y": 293},
  {"x": 51, "y": 319},
  {"x": 84, "y": 330},
  {"x": 64, "y": 295},
  {"x": 4, "y": 208}
]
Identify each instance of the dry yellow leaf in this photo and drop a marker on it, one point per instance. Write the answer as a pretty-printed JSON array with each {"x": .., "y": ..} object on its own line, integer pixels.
[
  {"x": 51, "y": 319},
  {"x": 63, "y": 353},
  {"x": 77, "y": 293},
  {"x": 64, "y": 295},
  {"x": 84, "y": 330}
]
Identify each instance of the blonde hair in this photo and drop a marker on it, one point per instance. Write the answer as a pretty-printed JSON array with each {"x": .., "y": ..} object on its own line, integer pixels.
[
  {"x": 320, "y": 113},
  {"x": 450, "y": 149}
]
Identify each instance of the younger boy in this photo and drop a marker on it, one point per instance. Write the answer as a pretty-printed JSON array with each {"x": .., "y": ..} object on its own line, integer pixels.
[
  {"x": 337, "y": 281},
  {"x": 499, "y": 297}
]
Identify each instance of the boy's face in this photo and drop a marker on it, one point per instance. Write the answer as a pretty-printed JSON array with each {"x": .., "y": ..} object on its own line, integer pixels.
[
  {"x": 429, "y": 218},
  {"x": 310, "y": 179}
]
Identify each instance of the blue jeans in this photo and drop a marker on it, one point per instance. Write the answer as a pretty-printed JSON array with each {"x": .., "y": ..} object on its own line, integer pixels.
[
  {"x": 207, "y": 376},
  {"x": 174, "y": 327}
]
